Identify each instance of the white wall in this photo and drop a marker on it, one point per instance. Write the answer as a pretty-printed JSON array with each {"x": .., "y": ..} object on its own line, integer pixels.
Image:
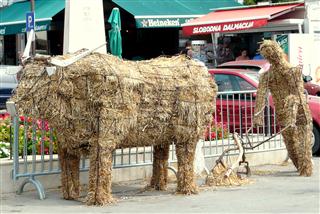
[
  {"x": 84, "y": 25},
  {"x": 312, "y": 26},
  {"x": 4, "y": 3},
  {"x": 300, "y": 51}
]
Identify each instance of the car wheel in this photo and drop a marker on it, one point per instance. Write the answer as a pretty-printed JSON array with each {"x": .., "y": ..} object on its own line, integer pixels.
[{"x": 315, "y": 140}]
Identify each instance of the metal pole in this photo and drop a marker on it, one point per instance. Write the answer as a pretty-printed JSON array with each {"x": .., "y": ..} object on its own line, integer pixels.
[
  {"x": 15, "y": 147},
  {"x": 300, "y": 28},
  {"x": 213, "y": 38},
  {"x": 33, "y": 46},
  {"x": 11, "y": 139}
]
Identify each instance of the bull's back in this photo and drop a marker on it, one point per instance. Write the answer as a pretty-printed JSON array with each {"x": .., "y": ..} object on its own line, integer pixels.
[{"x": 169, "y": 96}]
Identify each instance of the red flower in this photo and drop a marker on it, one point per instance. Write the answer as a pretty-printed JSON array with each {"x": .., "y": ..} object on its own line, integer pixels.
[
  {"x": 45, "y": 149},
  {"x": 45, "y": 125},
  {"x": 213, "y": 135},
  {"x": 4, "y": 116}
]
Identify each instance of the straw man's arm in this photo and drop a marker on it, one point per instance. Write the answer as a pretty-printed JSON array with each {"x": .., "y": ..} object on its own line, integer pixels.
[
  {"x": 291, "y": 104},
  {"x": 260, "y": 100},
  {"x": 296, "y": 99}
]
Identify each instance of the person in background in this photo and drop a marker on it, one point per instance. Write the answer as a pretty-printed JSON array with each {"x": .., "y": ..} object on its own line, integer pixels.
[
  {"x": 243, "y": 55},
  {"x": 187, "y": 50},
  {"x": 224, "y": 53},
  {"x": 228, "y": 55},
  {"x": 219, "y": 53},
  {"x": 258, "y": 56}
]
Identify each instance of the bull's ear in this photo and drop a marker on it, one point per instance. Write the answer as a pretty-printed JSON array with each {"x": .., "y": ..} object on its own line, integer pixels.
[{"x": 51, "y": 70}]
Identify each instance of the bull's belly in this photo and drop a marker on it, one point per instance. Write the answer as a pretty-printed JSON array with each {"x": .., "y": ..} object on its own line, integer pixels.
[{"x": 148, "y": 132}]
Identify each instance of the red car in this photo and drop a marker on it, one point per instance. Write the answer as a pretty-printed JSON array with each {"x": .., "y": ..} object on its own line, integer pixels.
[
  {"x": 235, "y": 104},
  {"x": 263, "y": 65}
]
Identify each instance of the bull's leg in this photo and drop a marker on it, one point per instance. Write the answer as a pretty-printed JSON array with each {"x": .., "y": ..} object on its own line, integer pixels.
[
  {"x": 69, "y": 164},
  {"x": 99, "y": 188},
  {"x": 160, "y": 167},
  {"x": 185, "y": 153}
]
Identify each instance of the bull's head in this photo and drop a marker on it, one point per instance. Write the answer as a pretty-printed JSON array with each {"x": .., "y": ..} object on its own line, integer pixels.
[{"x": 38, "y": 90}]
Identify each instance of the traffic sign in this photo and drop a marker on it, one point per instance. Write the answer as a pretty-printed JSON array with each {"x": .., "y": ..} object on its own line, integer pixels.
[{"x": 29, "y": 21}]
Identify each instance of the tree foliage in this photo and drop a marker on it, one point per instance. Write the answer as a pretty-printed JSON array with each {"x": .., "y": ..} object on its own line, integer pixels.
[{"x": 249, "y": 2}]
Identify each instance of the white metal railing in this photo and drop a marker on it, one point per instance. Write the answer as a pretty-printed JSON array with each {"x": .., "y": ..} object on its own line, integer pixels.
[{"x": 34, "y": 143}]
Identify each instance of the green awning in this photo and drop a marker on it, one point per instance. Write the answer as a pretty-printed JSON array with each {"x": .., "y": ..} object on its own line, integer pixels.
[
  {"x": 13, "y": 17},
  {"x": 170, "y": 13}
]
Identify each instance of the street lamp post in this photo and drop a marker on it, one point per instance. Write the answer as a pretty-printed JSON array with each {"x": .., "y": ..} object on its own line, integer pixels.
[{"x": 33, "y": 46}]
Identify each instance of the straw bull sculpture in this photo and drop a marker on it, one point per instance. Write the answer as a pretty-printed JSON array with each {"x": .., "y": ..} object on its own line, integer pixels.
[{"x": 101, "y": 103}]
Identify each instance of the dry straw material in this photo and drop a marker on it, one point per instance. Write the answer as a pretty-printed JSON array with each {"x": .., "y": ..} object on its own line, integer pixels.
[
  {"x": 217, "y": 177},
  {"x": 286, "y": 86},
  {"x": 101, "y": 103}
]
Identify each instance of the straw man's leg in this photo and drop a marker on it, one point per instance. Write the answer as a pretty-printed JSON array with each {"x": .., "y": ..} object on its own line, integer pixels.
[
  {"x": 303, "y": 137},
  {"x": 300, "y": 136},
  {"x": 291, "y": 145},
  {"x": 291, "y": 104}
]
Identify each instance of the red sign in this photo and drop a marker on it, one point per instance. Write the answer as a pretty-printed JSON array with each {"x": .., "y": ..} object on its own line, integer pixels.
[{"x": 223, "y": 27}]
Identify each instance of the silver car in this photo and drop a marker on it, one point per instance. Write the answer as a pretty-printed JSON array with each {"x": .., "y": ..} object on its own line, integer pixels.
[{"x": 8, "y": 82}]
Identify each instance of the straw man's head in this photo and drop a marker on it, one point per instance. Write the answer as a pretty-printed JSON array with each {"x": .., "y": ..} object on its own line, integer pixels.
[{"x": 271, "y": 51}]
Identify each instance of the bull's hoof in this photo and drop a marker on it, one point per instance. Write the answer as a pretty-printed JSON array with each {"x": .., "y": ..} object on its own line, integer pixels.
[
  {"x": 100, "y": 201},
  {"x": 188, "y": 191},
  {"x": 71, "y": 196},
  {"x": 156, "y": 187}
]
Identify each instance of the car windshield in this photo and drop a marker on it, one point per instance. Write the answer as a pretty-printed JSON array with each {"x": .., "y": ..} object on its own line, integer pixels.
[
  {"x": 247, "y": 67},
  {"x": 253, "y": 76}
]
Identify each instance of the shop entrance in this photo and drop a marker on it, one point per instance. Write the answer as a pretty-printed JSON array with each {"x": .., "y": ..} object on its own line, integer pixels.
[
  {"x": 9, "y": 55},
  {"x": 149, "y": 43}
]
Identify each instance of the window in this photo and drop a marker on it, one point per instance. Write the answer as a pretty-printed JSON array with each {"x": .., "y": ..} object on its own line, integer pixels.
[
  {"x": 224, "y": 82},
  {"x": 41, "y": 42},
  {"x": 253, "y": 76},
  {"x": 1, "y": 50},
  {"x": 243, "y": 84},
  {"x": 231, "y": 83}
]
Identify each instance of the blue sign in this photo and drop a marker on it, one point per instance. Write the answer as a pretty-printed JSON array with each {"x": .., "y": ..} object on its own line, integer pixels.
[{"x": 29, "y": 21}]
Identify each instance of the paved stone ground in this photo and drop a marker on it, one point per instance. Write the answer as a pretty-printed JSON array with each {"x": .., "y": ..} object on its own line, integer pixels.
[{"x": 273, "y": 189}]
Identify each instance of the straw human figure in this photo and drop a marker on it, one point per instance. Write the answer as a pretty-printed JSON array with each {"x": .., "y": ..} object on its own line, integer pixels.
[
  {"x": 286, "y": 86},
  {"x": 102, "y": 103}
]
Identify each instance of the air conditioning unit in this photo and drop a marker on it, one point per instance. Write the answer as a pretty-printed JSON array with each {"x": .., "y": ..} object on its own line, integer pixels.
[{"x": 264, "y": 3}]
